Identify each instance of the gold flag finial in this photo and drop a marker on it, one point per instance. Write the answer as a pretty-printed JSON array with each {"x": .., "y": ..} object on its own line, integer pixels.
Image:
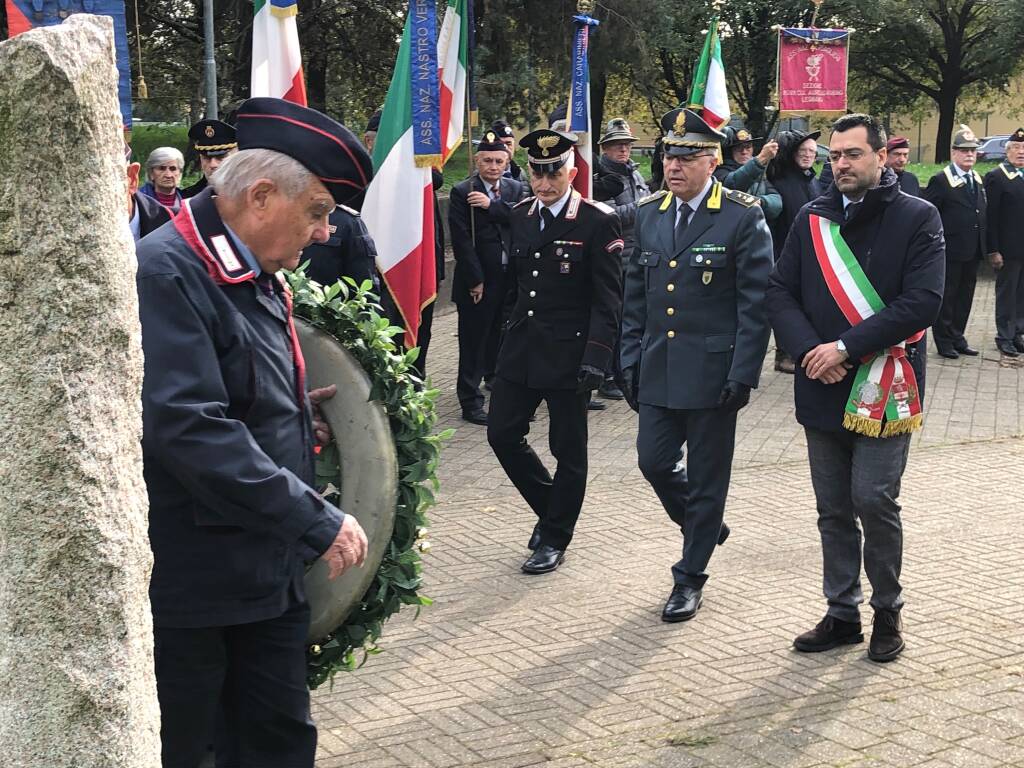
[{"x": 585, "y": 6}]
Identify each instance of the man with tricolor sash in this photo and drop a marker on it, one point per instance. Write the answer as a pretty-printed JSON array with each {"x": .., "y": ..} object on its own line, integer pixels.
[{"x": 859, "y": 279}]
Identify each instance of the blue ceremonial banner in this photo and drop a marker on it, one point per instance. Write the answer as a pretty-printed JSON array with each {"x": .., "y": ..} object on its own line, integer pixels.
[
  {"x": 579, "y": 105},
  {"x": 23, "y": 15},
  {"x": 424, "y": 85}
]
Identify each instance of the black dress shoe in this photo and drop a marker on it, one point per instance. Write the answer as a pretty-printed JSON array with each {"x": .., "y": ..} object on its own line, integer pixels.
[
  {"x": 949, "y": 354},
  {"x": 723, "y": 534},
  {"x": 1007, "y": 348},
  {"x": 544, "y": 560},
  {"x": 609, "y": 391},
  {"x": 967, "y": 350},
  {"x": 886, "y": 636},
  {"x": 596, "y": 405},
  {"x": 682, "y": 604},
  {"x": 829, "y": 633},
  {"x": 475, "y": 416}
]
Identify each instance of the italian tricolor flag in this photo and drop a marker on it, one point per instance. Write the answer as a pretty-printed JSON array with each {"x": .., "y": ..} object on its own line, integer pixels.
[
  {"x": 276, "y": 60},
  {"x": 708, "y": 96},
  {"x": 399, "y": 206}
]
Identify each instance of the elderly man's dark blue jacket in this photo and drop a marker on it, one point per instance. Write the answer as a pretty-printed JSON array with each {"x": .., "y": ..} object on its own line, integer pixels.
[
  {"x": 898, "y": 241},
  {"x": 227, "y": 436}
]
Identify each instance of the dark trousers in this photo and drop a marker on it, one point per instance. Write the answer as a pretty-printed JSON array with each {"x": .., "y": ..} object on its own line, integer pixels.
[
  {"x": 1009, "y": 300},
  {"x": 555, "y": 500},
  {"x": 957, "y": 298},
  {"x": 694, "y": 496},
  {"x": 858, "y": 478},
  {"x": 241, "y": 688},
  {"x": 479, "y": 334}
]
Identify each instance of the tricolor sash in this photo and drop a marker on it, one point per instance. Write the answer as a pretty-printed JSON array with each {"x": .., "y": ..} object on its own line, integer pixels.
[{"x": 884, "y": 386}]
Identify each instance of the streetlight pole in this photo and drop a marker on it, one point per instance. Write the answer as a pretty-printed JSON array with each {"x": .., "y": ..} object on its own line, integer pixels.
[{"x": 209, "y": 64}]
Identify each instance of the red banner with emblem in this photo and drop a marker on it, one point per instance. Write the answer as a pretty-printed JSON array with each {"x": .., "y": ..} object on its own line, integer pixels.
[{"x": 813, "y": 68}]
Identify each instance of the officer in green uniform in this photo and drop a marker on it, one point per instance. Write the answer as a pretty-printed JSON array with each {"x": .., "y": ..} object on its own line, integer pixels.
[{"x": 694, "y": 336}]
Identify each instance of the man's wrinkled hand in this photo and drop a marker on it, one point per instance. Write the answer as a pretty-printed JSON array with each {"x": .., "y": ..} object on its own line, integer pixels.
[
  {"x": 479, "y": 200},
  {"x": 588, "y": 379},
  {"x": 321, "y": 429},
  {"x": 476, "y": 293},
  {"x": 348, "y": 548},
  {"x": 768, "y": 152},
  {"x": 996, "y": 260},
  {"x": 822, "y": 358}
]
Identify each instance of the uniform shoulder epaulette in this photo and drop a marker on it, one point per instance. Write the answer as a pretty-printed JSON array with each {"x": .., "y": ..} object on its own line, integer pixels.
[
  {"x": 599, "y": 205},
  {"x": 346, "y": 209},
  {"x": 524, "y": 201},
  {"x": 743, "y": 198},
  {"x": 652, "y": 197}
]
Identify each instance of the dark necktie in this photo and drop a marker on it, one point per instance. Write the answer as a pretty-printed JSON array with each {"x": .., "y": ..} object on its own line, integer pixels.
[
  {"x": 970, "y": 183},
  {"x": 547, "y": 218},
  {"x": 682, "y": 223},
  {"x": 496, "y": 192},
  {"x": 851, "y": 210},
  {"x": 265, "y": 282}
]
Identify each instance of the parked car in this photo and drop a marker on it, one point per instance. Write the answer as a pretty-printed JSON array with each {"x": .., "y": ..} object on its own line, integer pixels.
[{"x": 992, "y": 149}]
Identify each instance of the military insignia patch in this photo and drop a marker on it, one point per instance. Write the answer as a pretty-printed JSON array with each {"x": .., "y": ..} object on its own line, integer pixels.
[
  {"x": 209, "y": 131},
  {"x": 546, "y": 143},
  {"x": 651, "y": 198},
  {"x": 706, "y": 278},
  {"x": 564, "y": 267}
]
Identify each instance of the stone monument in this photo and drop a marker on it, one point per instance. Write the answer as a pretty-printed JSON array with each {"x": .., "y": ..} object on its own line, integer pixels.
[{"x": 76, "y": 644}]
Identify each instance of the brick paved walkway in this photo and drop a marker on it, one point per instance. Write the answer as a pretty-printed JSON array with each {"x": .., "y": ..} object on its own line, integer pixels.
[{"x": 575, "y": 669}]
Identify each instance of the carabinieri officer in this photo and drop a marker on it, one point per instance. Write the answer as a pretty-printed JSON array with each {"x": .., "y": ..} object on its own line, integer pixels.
[
  {"x": 694, "y": 336},
  {"x": 565, "y": 285}
]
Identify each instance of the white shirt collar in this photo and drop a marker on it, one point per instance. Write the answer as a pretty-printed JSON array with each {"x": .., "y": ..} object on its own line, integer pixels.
[
  {"x": 557, "y": 206},
  {"x": 694, "y": 202},
  {"x": 960, "y": 172}
]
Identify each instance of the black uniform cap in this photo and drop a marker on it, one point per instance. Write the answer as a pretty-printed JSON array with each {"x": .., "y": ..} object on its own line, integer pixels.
[
  {"x": 548, "y": 150},
  {"x": 1017, "y": 135},
  {"x": 326, "y": 148},
  {"x": 490, "y": 143},
  {"x": 501, "y": 128},
  {"x": 686, "y": 133},
  {"x": 213, "y": 138}
]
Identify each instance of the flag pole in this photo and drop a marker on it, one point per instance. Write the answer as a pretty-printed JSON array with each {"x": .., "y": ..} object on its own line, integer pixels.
[{"x": 470, "y": 73}]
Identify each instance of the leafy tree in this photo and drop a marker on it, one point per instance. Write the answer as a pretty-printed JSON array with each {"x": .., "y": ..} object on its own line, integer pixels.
[{"x": 937, "y": 49}]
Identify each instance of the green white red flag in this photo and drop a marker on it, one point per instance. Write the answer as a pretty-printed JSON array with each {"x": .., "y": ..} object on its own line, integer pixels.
[
  {"x": 399, "y": 206},
  {"x": 708, "y": 96},
  {"x": 276, "y": 59}
]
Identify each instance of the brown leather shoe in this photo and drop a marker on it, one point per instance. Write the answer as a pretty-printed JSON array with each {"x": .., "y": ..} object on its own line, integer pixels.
[
  {"x": 886, "y": 636},
  {"x": 828, "y": 634}
]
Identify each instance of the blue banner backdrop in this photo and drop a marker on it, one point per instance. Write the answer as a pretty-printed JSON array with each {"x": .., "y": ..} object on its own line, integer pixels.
[{"x": 426, "y": 90}]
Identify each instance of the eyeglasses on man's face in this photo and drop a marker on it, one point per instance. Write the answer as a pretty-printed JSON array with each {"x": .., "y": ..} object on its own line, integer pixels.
[{"x": 853, "y": 155}]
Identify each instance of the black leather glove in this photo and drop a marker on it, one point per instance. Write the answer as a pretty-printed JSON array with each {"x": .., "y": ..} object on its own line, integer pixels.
[
  {"x": 588, "y": 379},
  {"x": 734, "y": 396},
  {"x": 628, "y": 384}
]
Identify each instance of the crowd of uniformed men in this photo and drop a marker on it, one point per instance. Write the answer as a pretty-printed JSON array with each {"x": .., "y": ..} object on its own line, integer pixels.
[{"x": 662, "y": 293}]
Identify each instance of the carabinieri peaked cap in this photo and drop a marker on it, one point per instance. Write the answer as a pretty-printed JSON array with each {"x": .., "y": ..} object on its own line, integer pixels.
[
  {"x": 686, "y": 133},
  {"x": 326, "y": 148},
  {"x": 213, "y": 138},
  {"x": 548, "y": 150}
]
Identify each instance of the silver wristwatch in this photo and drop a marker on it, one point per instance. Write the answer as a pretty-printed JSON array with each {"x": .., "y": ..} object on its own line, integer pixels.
[{"x": 840, "y": 346}]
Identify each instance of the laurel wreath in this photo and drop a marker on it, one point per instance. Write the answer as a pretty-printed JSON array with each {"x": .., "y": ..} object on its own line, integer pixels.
[{"x": 350, "y": 313}]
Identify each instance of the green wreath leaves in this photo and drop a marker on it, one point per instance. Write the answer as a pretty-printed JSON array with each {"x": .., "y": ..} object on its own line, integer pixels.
[{"x": 350, "y": 313}]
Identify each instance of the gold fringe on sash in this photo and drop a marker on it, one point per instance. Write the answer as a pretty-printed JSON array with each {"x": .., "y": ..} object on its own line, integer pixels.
[
  {"x": 862, "y": 425},
  {"x": 870, "y": 428},
  {"x": 428, "y": 161},
  {"x": 903, "y": 426}
]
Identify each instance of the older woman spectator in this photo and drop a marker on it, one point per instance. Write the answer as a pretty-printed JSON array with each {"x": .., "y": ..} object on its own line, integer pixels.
[{"x": 163, "y": 173}]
